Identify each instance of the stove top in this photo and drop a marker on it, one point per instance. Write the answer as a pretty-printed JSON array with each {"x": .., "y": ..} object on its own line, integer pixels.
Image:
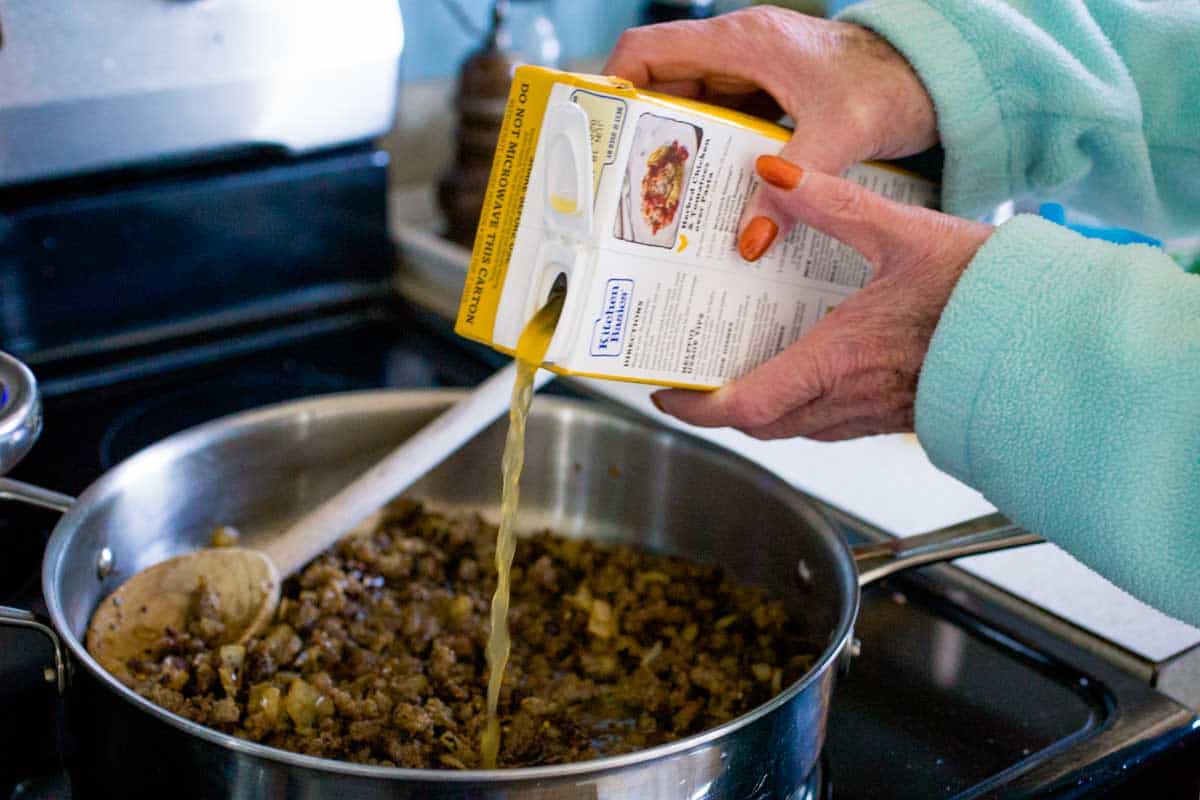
[
  {"x": 957, "y": 691},
  {"x": 940, "y": 703}
]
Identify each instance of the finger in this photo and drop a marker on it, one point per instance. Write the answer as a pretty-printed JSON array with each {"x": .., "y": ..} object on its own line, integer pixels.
[
  {"x": 700, "y": 408},
  {"x": 827, "y": 154},
  {"x": 758, "y": 398},
  {"x": 817, "y": 420},
  {"x": 871, "y": 224},
  {"x": 687, "y": 50},
  {"x": 857, "y": 428},
  {"x": 880, "y": 395},
  {"x": 691, "y": 88}
]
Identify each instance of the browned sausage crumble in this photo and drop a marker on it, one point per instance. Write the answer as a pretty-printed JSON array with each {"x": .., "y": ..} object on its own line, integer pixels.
[{"x": 377, "y": 652}]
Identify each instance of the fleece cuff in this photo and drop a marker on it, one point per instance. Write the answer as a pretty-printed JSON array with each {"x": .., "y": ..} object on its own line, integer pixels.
[
  {"x": 972, "y": 130},
  {"x": 973, "y": 334},
  {"x": 1062, "y": 382}
]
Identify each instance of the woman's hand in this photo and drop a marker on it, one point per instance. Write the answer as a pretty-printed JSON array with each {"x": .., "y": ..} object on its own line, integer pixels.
[
  {"x": 851, "y": 96},
  {"x": 855, "y": 372}
]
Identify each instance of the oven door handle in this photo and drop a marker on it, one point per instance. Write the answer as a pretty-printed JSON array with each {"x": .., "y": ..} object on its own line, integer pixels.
[{"x": 59, "y": 673}]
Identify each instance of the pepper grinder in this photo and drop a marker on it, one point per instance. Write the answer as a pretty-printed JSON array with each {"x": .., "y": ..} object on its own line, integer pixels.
[{"x": 520, "y": 33}]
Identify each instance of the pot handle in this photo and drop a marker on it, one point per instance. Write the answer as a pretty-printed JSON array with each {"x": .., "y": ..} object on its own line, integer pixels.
[
  {"x": 20, "y": 426},
  {"x": 980, "y": 535},
  {"x": 18, "y": 618},
  {"x": 34, "y": 495}
]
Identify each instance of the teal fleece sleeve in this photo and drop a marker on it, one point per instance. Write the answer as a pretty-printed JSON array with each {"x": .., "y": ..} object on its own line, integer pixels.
[
  {"x": 1094, "y": 104},
  {"x": 1063, "y": 382}
]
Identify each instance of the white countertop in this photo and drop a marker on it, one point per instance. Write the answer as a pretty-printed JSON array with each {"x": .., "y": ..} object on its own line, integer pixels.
[{"x": 886, "y": 480}]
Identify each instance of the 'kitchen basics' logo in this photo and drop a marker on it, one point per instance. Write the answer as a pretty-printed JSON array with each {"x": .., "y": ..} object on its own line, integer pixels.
[{"x": 608, "y": 331}]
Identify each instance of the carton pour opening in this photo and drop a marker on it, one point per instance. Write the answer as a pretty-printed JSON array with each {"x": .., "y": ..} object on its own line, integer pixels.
[{"x": 559, "y": 287}]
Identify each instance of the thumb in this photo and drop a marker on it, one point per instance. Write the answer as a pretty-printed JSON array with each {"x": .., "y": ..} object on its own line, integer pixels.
[
  {"x": 764, "y": 219},
  {"x": 871, "y": 224}
]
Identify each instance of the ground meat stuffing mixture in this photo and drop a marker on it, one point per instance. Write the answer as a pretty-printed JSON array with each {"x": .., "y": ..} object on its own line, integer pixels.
[{"x": 377, "y": 652}]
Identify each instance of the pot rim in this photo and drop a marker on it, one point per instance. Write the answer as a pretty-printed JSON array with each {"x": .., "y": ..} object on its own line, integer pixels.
[{"x": 336, "y": 403}]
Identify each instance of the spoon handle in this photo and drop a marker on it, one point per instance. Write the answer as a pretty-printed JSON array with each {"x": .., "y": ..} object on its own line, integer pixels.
[{"x": 399, "y": 470}]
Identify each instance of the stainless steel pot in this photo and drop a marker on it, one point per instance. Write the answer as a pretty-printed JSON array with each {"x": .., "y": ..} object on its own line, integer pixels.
[{"x": 590, "y": 472}]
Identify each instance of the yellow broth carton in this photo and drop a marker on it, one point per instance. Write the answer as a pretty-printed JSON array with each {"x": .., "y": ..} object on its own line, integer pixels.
[{"x": 634, "y": 199}]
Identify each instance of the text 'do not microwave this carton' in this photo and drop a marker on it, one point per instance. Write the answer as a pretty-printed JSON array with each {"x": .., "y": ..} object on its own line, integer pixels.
[{"x": 635, "y": 198}]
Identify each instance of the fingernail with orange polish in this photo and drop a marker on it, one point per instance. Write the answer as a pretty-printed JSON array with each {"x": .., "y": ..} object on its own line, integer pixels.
[
  {"x": 757, "y": 237},
  {"x": 657, "y": 403},
  {"x": 778, "y": 172}
]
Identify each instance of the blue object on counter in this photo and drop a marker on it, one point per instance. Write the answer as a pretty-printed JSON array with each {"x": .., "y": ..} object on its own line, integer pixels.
[
  {"x": 834, "y": 6},
  {"x": 1055, "y": 213}
]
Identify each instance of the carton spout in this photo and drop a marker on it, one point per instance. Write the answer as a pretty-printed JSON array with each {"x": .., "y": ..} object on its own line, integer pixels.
[
  {"x": 559, "y": 287},
  {"x": 551, "y": 284}
]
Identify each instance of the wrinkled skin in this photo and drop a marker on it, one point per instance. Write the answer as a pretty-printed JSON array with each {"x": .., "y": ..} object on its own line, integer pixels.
[
  {"x": 855, "y": 372},
  {"x": 852, "y": 97}
]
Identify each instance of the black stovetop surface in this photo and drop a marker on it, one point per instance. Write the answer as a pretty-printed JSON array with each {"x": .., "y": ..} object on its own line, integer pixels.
[{"x": 937, "y": 705}]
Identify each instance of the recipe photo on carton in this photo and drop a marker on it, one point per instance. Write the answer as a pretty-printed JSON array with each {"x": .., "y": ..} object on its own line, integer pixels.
[{"x": 660, "y": 163}]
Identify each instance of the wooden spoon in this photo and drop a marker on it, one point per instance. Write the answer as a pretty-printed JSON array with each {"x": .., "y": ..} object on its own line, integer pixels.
[{"x": 131, "y": 621}]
